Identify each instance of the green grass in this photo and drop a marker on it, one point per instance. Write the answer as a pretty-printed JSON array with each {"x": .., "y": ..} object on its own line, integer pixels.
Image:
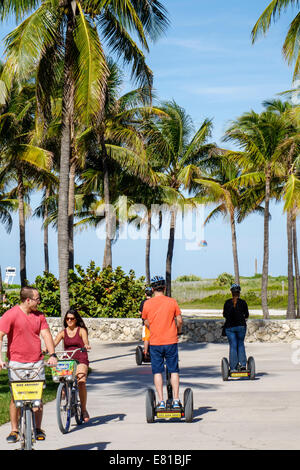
[
  {"x": 49, "y": 393},
  {"x": 207, "y": 294}
]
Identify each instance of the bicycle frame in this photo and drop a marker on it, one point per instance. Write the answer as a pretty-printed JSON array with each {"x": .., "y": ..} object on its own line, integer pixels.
[
  {"x": 27, "y": 395},
  {"x": 65, "y": 374}
]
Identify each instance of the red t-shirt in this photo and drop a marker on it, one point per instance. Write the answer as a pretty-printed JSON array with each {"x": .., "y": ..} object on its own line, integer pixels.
[
  {"x": 160, "y": 311},
  {"x": 23, "y": 334}
]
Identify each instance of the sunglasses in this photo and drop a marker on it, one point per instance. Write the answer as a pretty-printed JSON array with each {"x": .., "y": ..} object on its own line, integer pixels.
[{"x": 70, "y": 318}]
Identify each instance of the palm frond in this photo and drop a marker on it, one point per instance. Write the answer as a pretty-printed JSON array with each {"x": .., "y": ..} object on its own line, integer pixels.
[{"x": 90, "y": 71}]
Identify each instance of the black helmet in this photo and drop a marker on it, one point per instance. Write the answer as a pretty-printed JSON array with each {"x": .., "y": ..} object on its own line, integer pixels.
[
  {"x": 157, "y": 281},
  {"x": 235, "y": 288}
]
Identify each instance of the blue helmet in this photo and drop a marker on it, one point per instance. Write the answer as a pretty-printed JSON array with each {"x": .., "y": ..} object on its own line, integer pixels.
[
  {"x": 235, "y": 288},
  {"x": 157, "y": 281}
]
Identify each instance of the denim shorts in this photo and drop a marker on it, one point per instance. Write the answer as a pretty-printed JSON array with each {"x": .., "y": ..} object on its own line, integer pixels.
[{"x": 160, "y": 354}]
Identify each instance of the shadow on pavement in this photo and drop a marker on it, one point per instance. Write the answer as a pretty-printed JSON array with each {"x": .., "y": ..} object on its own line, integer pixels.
[
  {"x": 202, "y": 410},
  {"x": 98, "y": 420},
  {"x": 140, "y": 377},
  {"x": 91, "y": 446},
  {"x": 111, "y": 357}
]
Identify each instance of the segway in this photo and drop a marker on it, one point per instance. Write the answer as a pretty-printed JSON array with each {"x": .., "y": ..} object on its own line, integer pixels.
[
  {"x": 185, "y": 411},
  {"x": 141, "y": 357},
  {"x": 240, "y": 372}
]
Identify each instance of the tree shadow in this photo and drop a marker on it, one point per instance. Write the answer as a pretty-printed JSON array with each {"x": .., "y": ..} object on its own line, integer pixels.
[
  {"x": 184, "y": 346},
  {"x": 132, "y": 381}
]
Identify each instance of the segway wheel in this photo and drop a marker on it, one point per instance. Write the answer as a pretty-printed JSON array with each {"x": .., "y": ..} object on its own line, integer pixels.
[
  {"x": 225, "y": 369},
  {"x": 188, "y": 405},
  {"x": 251, "y": 367},
  {"x": 139, "y": 355},
  {"x": 150, "y": 405}
]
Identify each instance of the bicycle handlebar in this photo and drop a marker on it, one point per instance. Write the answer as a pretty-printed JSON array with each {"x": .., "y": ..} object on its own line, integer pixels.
[{"x": 69, "y": 354}]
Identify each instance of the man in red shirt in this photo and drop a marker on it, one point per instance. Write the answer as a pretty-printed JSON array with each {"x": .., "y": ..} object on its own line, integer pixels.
[
  {"x": 162, "y": 316},
  {"x": 24, "y": 324}
]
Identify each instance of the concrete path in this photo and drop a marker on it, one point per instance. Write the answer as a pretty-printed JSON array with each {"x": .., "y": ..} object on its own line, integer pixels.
[{"x": 238, "y": 414}]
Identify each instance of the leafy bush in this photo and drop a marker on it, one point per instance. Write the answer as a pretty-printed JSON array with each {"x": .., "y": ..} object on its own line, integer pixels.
[
  {"x": 225, "y": 279},
  {"x": 12, "y": 298},
  {"x": 188, "y": 278},
  {"x": 95, "y": 292},
  {"x": 251, "y": 298}
]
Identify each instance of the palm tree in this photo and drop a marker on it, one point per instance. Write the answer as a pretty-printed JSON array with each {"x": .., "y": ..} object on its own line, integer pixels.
[
  {"x": 273, "y": 11},
  {"x": 20, "y": 159},
  {"x": 216, "y": 188},
  {"x": 116, "y": 145},
  {"x": 168, "y": 139},
  {"x": 48, "y": 204},
  {"x": 66, "y": 30},
  {"x": 260, "y": 137},
  {"x": 290, "y": 150}
]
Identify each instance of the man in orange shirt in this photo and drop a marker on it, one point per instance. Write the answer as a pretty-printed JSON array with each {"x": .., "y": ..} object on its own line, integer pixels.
[{"x": 162, "y": 316}]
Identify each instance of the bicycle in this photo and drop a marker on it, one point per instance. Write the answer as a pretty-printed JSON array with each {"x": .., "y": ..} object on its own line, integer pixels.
[
  {"x": 27, "y": 395},
  {"x": 67, "y": 397}
]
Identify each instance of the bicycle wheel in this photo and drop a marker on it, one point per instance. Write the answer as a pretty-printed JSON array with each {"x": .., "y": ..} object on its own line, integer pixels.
[
  {"x": 63, "y": 408},
  {"x": 28, "y": 429}
]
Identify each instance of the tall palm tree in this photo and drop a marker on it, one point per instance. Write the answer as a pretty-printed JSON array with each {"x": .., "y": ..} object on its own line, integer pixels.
[
  {"x": 67, "y": 30},
  {"x": 273, "y": 11},
  {"x": 20, "y": 160},
  {"x": 168, "y": 139},
  {"x": 287, "y": 189},
  {"x": 260, "y": 137},
  {"x": 116, "y": 143},
  {"x": 216, "y": 188}
]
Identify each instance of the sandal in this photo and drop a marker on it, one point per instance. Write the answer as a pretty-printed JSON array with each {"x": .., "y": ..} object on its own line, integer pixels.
[
  {"x": 40, "y": 434},
  {"x": 13, "y": 437},
  {"x": 86, "y": 416}
]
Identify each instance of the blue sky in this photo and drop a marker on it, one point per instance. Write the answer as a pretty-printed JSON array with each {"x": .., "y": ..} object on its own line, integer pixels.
[{"x": 207, "y": 64}]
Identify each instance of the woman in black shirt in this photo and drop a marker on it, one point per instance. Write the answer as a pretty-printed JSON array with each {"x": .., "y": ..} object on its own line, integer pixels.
[{"x": 236, "y": 312}]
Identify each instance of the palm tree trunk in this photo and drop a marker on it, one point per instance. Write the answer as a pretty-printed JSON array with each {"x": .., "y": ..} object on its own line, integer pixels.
[
  {"x": 1, "y": 287},
  {"x": 291, "y": 291},
  {"x": 107, "y": 260},
  {"x": 23, "y": 275},
  {"x": 170, "y": 253},
  {"x": 65, "y": 153},
  {"x": 234, "y": 248},
  {"x": 296, "y": 263},
  {"x": 71, "y": 206},
  {"x": 265, "y": 267},
  {"x": 148, "y": 243},
  {"x": 46, "y": 234}
]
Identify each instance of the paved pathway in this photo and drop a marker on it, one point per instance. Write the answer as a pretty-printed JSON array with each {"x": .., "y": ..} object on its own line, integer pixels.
[{"x": 238, "y": 414}]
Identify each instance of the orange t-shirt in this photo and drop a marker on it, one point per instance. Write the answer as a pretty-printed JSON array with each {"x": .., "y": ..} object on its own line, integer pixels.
[{"x": 160, "y": 311}]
